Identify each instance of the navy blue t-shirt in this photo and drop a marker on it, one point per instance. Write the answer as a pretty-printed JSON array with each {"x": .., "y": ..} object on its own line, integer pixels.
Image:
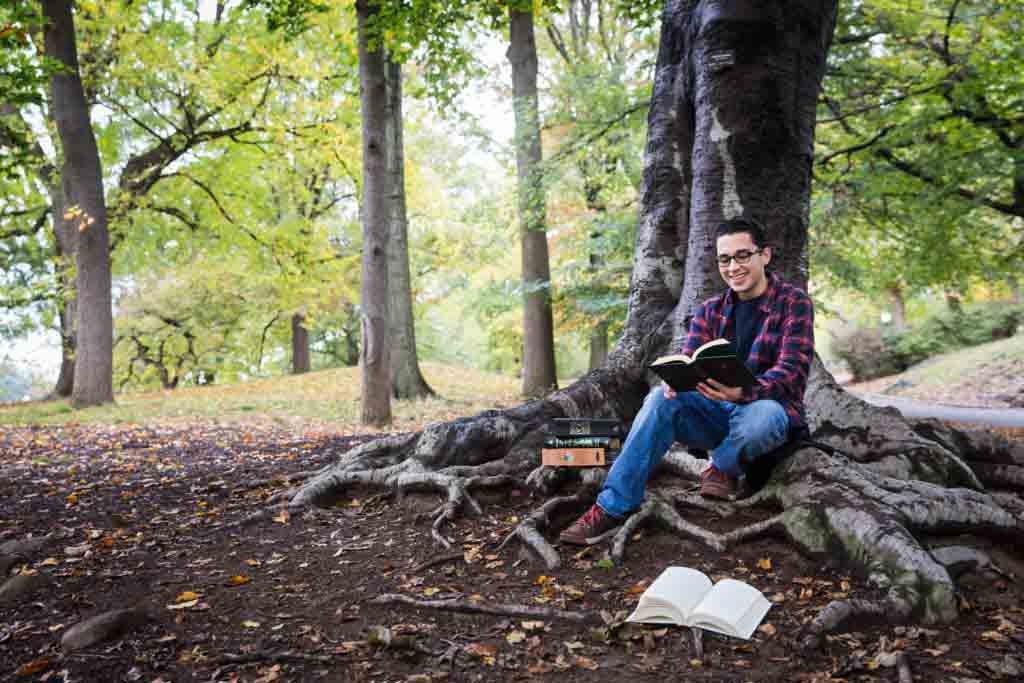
[{"x": 748, "y": 324}]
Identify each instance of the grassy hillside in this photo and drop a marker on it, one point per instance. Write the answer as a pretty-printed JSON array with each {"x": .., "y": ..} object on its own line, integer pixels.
[
  {"x": 987, "y": 375},
  {"x": 328, "y": 399}
]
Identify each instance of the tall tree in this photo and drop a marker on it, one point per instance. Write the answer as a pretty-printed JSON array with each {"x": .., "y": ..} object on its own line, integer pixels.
[
  {"x": 300, "y": 345},
  {"x": 375, "y": 348},
  {"x": 406, "y": 379},
  {"x": 539, "y": 375},
  {"x": 82, "y": 182}
]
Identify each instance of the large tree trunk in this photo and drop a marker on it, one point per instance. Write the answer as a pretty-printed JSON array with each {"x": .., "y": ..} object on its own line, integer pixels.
[
  {"x": 406, "y": 379},
  {"x": 82, "y": 179},
  {"x": 872, "y": 484},
  {"x": 897, "y": 306},
  {"x": 539, "y": 375},
  {"x": 300, "y": 345},
  {"x": 374, "y": 357}
]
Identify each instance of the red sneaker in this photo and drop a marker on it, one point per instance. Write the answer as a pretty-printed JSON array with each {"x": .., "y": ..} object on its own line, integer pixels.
[
  {"x": 717, "y": 484},
  {"x": 594, "y": 526}
]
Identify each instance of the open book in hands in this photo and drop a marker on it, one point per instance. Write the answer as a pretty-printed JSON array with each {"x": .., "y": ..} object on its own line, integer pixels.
[
  {"x": 716, "y": 359},
  {"x": 686, "y": 597}
]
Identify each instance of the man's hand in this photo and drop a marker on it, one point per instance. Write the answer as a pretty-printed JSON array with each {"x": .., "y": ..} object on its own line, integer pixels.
[
  {"x": 717, "y": 391},
  {"x": 669, "y": 392}
]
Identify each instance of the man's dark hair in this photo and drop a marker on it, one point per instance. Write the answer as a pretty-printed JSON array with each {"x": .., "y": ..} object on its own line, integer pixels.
[{"x": 748, "y": 225}]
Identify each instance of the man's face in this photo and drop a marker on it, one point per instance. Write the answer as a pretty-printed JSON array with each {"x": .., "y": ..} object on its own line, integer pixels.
[{"x": 748, "y": 279}]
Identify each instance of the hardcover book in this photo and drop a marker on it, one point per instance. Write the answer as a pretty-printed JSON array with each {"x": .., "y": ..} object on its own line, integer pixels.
[
  {"x": 685, "y": 596},
  {"x": 717, "y": 359},
  {"x": 584, "y": 426},
  {"x": 574, "y": 457},
  {"x": 582, "y": 442}
]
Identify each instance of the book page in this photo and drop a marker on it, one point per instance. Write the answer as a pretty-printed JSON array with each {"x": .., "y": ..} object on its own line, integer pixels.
[
  {"x": 674, "y": 358},
  {"x": 681, "y": 587},
  {"x": 710, "y": 345},
  {"x": 729, "y": 607}
]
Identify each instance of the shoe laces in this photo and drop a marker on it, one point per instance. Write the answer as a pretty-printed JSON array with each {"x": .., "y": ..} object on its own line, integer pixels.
[{"x": 593, "y": 516}]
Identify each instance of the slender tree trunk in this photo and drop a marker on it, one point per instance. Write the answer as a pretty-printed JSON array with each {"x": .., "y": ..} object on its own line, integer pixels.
[
  {"x": 82, "y": 180},
  {"x": 300, "y": 345},
  {"x": 64, "y": 237},
  {"x": 539, "y": 375},
  {"x": 406, "y": 379},
  {"x": 898, "y": 307},
  {"x": 1016, "y": 295},
  {"x": 375, "y": 360}
]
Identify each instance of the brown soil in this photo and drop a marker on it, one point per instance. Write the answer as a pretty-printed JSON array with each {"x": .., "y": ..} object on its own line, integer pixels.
[{"x": 146, "y": 504}]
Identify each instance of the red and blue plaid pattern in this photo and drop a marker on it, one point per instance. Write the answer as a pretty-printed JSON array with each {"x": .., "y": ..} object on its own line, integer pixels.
[{"x": 782, "y": 351}]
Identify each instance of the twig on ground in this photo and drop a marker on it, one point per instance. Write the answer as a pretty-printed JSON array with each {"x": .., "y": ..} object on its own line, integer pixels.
[
  {"x": 498, "y": 609},
  {"x": 264, "y": 656},
  {"x": 437, "y": 560}
]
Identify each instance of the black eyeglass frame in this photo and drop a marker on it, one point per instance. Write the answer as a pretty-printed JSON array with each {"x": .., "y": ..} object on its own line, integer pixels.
[{"x": 742, "y": 257}]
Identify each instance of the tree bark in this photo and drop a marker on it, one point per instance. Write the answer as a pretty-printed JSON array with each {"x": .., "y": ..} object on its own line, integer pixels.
[
  {"x": 406, "y": 379},
  {"x": 82, "y": 180},
  {"x": 374, "y": 357},
  {"x": 539, "y": 374},
  {"x": 897, "y": 306},
  {"x": 300, "y": 345}
]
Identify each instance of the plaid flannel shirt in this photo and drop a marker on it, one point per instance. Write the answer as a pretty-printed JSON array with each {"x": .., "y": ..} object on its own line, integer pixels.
[{"x": 781, "y": 355}]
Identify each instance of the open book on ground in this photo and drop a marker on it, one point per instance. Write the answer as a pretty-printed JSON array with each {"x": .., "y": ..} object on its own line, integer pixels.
[
  {"x": 686, "y": 597},
  {"x": 716, "y": 359}
]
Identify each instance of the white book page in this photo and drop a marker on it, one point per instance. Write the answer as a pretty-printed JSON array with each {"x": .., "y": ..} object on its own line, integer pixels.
[
  {"x": 681, "y": 587},
  {"x": 728, "y": 606}
]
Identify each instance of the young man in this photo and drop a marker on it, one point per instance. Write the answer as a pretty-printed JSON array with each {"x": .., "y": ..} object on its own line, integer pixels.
[{"x": 772, "y": 325}]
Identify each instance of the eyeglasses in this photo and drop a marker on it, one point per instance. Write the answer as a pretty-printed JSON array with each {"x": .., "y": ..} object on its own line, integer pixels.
[{"x": 741, "y": 257}]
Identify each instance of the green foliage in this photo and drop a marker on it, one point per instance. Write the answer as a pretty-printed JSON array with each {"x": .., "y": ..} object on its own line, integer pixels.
[
  {"x": 876, "y": 352},
  {"x": 919, "y": 146}
]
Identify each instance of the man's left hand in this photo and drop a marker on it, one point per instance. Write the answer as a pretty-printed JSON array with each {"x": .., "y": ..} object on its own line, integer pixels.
[{"x": 717, "y": 391}]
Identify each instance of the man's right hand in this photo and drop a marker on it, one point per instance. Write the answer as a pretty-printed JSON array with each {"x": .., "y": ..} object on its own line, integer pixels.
[{"x": 669, "y": 392}]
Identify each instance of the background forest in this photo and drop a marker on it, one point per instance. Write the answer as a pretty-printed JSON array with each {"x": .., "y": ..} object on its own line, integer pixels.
[{"x": 229, "y": 135}]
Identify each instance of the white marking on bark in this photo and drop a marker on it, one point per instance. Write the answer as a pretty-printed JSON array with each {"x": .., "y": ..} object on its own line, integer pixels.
[{"x": 731, "y": 204}]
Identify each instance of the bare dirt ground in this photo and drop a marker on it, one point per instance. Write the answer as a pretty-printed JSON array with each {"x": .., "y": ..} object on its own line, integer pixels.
[{"x": 135, "y": 513}]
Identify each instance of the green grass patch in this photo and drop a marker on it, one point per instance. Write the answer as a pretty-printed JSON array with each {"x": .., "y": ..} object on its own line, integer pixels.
[{"x": 329, "y": 398}]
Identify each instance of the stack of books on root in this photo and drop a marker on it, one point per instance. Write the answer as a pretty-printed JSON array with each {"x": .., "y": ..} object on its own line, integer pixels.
[{"x": 581, "y": 442}]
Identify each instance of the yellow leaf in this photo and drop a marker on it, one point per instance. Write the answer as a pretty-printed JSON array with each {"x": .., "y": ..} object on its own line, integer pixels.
[
  {"x": 184, "y": 605},
  {"x": 50, "y": 562},
  {"x": 514, "y": 637},
  {"x": 187, "y": 596},
  {"x": 249, "y": 623},
  {"x": 282, "y": 518},
  {"x": 239, "y": 580},
  {"x": 765, "y": 564},
  {"x": 431, "y": 591},
  {"x": 72, "y": 499}
]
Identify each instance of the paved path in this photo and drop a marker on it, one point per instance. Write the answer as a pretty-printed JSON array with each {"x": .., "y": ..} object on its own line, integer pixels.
[{"x": 996, "y": 417}]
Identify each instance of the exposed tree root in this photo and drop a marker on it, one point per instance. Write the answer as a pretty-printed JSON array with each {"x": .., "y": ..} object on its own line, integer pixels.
[
  {"x": 266, "y": 656},
  {"x": 504, "y": 610}
]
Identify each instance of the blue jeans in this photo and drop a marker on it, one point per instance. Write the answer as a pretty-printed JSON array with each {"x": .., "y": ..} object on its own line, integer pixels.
[{"x": 735, "y": 433}]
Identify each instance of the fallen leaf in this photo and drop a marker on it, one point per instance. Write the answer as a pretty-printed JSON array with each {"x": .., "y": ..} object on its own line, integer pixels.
[
  {"x": 532, "y": 625},
  {"x": 765, "y": 564},
  {"x": 767, "y": 629},
  {"x": 239, "y": 580},
  {"x": 33, "y": 667},
  {"x": 282, "y": 518},
  {"x": 585, "y": 663},
  {"x": 50, "y": 562},
  {"x": 514, "y": 637},
  {"x": 249, "y": 623},
  {"x": 187, "y": 596},
  {"x": 184, "y": 605},
  {"x": 994, "y": 636}
]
